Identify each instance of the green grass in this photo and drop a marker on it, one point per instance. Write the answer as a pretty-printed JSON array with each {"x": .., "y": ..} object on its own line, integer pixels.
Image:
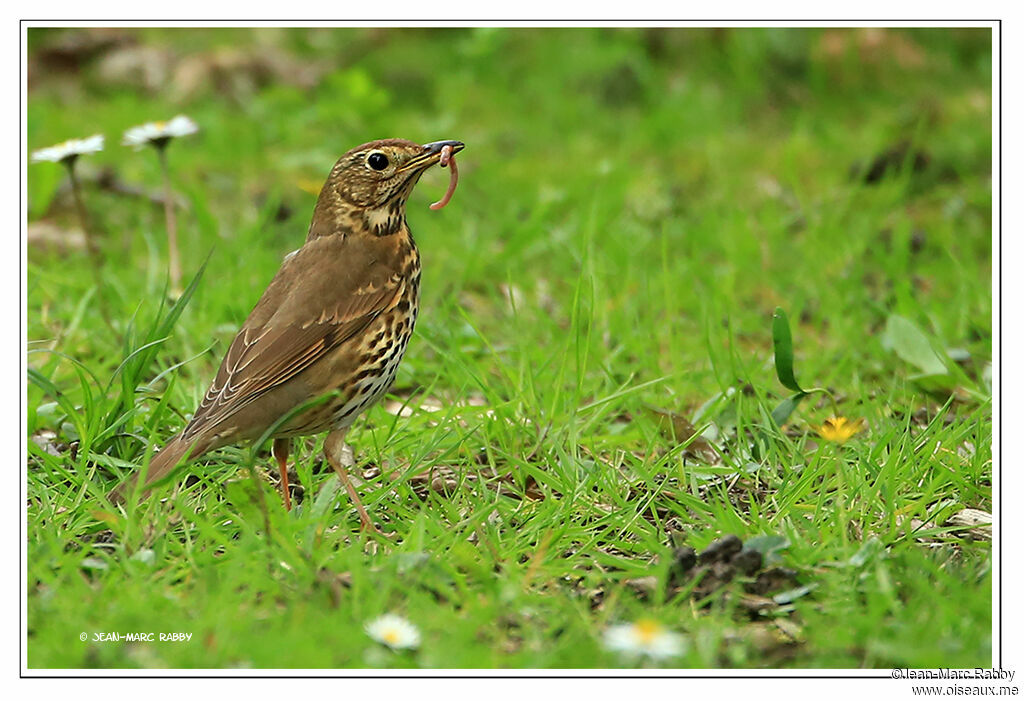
[{"x": 634, "y": 205}]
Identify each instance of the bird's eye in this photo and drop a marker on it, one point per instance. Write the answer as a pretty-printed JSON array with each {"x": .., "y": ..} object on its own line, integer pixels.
[{"x": 377, "y": 160}]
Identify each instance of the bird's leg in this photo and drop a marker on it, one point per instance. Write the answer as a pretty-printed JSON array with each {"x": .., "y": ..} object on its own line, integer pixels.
[
  {"x": 334, "y": 447},
  {"x": 280, "y": 450}
]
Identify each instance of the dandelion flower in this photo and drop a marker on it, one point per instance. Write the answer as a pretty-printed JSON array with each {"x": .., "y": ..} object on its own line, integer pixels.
[
  {"x": 839, "y": 429},
  {"x": 159, "y": 133},
  {"x": 394, "y": 631},
  {"x": 643, "y": 638},
  {"x": 69, "y": 150}
]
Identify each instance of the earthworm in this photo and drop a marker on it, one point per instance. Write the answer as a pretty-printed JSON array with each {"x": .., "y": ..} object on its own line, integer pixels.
[{"x": 448, "y": 159}]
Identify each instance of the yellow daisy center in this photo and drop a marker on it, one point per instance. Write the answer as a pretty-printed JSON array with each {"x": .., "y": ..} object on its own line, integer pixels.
[{"x": 647, "y": 631}]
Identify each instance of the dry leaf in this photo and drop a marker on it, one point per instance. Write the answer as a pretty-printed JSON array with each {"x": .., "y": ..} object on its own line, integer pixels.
[
  {"x": 677, "y": 428},
  {"x": 978, "y": 522},
  {"x": 47, "y": 236}
]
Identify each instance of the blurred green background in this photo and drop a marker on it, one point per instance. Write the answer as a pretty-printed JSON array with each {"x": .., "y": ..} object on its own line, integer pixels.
[
  {"x": 667, "y": 137},
  {"x": 634, "y": 204}
]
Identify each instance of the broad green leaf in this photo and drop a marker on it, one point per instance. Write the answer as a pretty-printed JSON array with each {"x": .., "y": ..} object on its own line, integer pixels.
[
  {"x": 786, "y": 407},
  {"x": 910, "y": 344},
  {"x": 868, "y": 552},
  {"x": 94, "y": 563},
  {"x": 938, "y": 384},
  {"x": 782, "y": 339},
  {"x": 325, "y": 497},
  {"x": 769, "y": 546},
  {"x": 765, "y": 544},
  {"x": 792, "y": 595}
]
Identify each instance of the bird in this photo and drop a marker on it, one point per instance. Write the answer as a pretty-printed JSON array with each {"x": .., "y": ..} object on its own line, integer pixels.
[{"x": 334, "y": 321}]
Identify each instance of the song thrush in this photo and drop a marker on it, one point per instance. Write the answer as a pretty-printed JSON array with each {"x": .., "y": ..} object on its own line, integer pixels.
[{"x": 336, "y": 318}]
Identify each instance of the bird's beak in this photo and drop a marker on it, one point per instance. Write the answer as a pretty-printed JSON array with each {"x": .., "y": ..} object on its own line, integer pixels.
[
  {"x": 432, "y": 154},
  {"x": 436, "y": 146}
]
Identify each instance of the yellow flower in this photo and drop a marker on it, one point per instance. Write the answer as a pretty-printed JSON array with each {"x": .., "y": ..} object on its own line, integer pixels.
[{"x": 840, "y": 429}]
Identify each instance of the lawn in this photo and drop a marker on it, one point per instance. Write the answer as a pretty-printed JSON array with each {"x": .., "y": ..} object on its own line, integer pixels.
[{"x": 596, "y": 388}]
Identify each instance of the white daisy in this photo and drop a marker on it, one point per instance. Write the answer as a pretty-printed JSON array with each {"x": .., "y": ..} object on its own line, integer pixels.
[
  {"x": 393, "y": 631},
  {"x": 72, "y": 148},
  {"x": 645, "y": 637},
  {"x": 159, "y": 133}
]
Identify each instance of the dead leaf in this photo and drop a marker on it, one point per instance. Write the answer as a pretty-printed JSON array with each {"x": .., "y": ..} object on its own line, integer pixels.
[
  {"x": 644, "y": 586},
  {"x": 143, "y": 66},
  {"x": 893, "y": 158},
  {"x": 238, "y": 73},
  {"x": 772, "y": 580},
  {"x": 756, "y": 604},
  {"x": 47, "y": 236},
  {"x": 336, "y": 583},
  {"x": 513, "y": 295},
  {"x": 47, "y": 441},
  {"x": 70, "y": 50},
  {"x": 106, "y": 517},
  {"x": 873, "y": 46},
  {"x": 677, "y": 428},
  {"x": 978, "y": 522},
  {"x": 446, "y": 479},
  {"x": 407, "y": 406},
  {"x": 794, "y": 631}
]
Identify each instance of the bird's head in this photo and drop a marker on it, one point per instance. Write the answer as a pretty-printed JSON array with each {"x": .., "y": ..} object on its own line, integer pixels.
[{"x": 372, "y": 182}]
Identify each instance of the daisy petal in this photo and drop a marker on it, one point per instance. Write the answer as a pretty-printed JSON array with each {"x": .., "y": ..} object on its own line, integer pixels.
[
  {"x": 72, "y": 148},
  {"x": 643, "y": 638},
  {"x": 157, "y": 132},
  {"x": 393, "y": 631}
]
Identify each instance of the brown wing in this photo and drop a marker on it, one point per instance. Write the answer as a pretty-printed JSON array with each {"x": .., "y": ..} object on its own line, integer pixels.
[{"x": 323, "y": 296}]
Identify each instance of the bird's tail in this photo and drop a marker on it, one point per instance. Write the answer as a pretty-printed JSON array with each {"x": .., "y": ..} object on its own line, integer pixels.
[{"x": 161, "y": 464}]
